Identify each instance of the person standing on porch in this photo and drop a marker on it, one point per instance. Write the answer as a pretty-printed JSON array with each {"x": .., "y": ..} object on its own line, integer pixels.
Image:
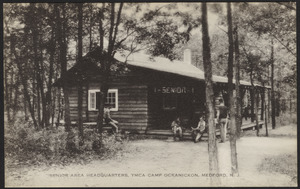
[
  {"x": 222, "y": 119},
  {"x": 246, "y": 112},
  {"x": 199, "y": 130},
  {"x": 107, "y": 118},
  {"x": 176, "y": 128}
]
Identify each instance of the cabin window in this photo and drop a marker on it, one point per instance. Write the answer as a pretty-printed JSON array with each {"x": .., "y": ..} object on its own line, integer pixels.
[
  {"x": 111, "y": 99},
  {"x": 170, "y": 102}
]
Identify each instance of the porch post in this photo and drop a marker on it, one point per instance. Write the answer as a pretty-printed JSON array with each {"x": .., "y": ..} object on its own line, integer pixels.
[
  {"x": 262, "y": 104},
  {"x": 269, "y": 105},
  {"x": 256, "y": 98},
  {"x": 252, "y": 97},
  {"x": 266, "y": 116},
  {"x": 243, "y": 92}
]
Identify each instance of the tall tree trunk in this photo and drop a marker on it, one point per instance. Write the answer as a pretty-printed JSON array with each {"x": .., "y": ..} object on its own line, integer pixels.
[
  {"x": 36, "y": 60},
  {"x": 212, "y": 146},
  {"x": 252, "y": 97},
  {"x": 237, "y": 84},
  {"x": 272, "y": 86},
  {"x": 39, "y": 107},
  {"x": 24, "y": 82},
  {"x": 34, "y": 91},
  {"x": 232, "y": 123},
  {"x": 66, "y": 107},
  {"x": 80, "y": 90},
  {"x": 25, "y": 109},
  {"x": 90, "y": 28},
  {"x": 102, "y": 99},
  {"x": 41, "y": 86},
  {"x": 59, "y": 106},
  {"x": 101, "y": 30},
  {"x": 87, "y": 100},
  {"x": 16, "y": 95},
  {"x": 242, "y": 95},
  {"x": 269, "y": 107},
  {"x": 111, "y": 29},
  {"x": 7, "y": 102},
  {"x": 52, "y": 48},
  {"x": 107, "y": 60},
  {"x": 290, "y": 106},
  {"x": 62, "y": 26},
  {"x": 101, "y": 87},
  {"x": 262, "y": 105},
  {"x": 53, "y": 107},
  {"x": 27, "y": 98},
  {"x": 266, "y": 115},
  {"x": 256, "y": 98},
  {"x": 11, "y": 93},
  {"x": 80, "y": 100}
]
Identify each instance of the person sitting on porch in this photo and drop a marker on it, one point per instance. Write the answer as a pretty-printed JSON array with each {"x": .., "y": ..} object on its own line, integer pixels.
[
  {"x": 176, "y": 128},
  {"x": 222, "y": 116},
  {"x": 107, "y": 118},
  {"x": 197, "y": 132}
]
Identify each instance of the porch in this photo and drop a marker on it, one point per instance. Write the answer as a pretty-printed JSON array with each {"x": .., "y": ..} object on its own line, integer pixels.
[
  {"x": 187, "y": 133},
  {"x": 166, "y": 133}
]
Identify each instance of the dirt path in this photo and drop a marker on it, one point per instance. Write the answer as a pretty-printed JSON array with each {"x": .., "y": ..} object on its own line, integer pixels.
[{"x": 167, "y": 163}]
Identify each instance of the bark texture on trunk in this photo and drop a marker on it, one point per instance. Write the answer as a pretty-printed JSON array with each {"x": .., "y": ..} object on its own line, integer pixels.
[
  {"x": 232, "y": 123},
  {"x": 80, "y": 82},
  {"x": 237, "y": 84},
  {"x": 272, "y": 87},
  {"x": 212, "y": 146},
  {"x": 256, "y": 112}
]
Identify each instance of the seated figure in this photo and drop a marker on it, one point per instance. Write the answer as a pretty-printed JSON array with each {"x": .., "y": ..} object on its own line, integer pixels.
[
  {"x": 197, "y": 132},
  {"x": 107, "y": 118},
  {"x": 176, "y": 128}
]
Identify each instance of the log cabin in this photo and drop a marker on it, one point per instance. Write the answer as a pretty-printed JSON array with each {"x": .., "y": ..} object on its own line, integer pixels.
[{"x": 148, "y": 93}]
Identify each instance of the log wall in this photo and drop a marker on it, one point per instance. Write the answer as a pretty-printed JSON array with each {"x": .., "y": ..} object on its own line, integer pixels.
[{"x": 132, "y": 111}]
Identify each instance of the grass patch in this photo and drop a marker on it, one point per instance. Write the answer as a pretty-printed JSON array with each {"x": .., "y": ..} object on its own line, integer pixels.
[{"x": 283, "y": 164}]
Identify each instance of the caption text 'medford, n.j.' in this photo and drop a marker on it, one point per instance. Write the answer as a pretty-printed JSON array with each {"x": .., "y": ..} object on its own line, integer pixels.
[{"x": 142, "y": 175}]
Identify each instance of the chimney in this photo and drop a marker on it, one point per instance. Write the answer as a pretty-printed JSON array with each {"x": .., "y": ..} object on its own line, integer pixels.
[
  {"x": 187, "y": 56},
  {"x": 190, "y": 56}
]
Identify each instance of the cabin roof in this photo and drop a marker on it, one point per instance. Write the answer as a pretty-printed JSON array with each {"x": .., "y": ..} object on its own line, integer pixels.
[
  {"x": 163, "y": 65},
  {"x": 175, "y": 67}
]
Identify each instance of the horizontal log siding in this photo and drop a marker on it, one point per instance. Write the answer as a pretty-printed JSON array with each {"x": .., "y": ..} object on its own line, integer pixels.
[
  {"x": 73, "y": 99},
  {"x": 132, "y": 111}
]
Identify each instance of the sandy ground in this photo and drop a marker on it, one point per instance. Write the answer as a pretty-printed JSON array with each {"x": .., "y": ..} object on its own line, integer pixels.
[{"x": 168, "y": 163}]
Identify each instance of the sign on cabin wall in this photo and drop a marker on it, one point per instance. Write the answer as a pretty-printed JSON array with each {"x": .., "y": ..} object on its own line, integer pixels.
[{"x": 174, "y": 90}]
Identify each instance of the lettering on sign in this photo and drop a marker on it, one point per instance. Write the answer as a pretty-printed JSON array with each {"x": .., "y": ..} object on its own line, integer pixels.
[{"x": 176, "y": 90}]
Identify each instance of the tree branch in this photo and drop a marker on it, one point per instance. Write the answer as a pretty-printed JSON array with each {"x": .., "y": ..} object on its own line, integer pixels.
[
  {"x": 223, "y": 30},
  {"x": 111, "y": 29},
  {"x": 101, "y": 31},
  {"x": 273, "y": 35},
  {"x": 117, "y": 24},
  {"x": 287, "y": 48}
]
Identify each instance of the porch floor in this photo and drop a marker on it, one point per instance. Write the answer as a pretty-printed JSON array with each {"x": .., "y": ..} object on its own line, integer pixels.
[{"x": 247, "y": 124}]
